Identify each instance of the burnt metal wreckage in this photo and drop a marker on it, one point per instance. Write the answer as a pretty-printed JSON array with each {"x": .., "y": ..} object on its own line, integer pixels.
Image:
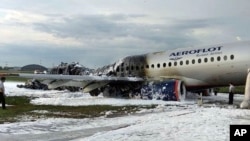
[
  {"x": 165, "y": 90},
  {"x": 169, "y": 90},
  {"x": 63, "y": 69}
]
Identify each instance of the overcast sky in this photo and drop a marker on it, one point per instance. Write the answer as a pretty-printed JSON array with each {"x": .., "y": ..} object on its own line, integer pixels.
[{"x": 99, "y": 32}]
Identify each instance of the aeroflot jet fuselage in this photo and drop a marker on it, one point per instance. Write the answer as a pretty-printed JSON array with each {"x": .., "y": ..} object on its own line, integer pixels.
[
  {"x": 197, "y": 67},
  {"x": 190, "y": 68}
]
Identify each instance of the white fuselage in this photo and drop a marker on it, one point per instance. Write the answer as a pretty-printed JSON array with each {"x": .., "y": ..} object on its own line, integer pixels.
[{"x": 207, "y": 66}]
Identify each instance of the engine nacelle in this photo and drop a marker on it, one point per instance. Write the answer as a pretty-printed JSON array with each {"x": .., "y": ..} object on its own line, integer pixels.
[{"x": 171, "y": 90}]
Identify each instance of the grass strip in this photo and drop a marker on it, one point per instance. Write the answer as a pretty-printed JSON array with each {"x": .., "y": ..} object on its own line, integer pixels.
[{"x": 21, "y": 107}]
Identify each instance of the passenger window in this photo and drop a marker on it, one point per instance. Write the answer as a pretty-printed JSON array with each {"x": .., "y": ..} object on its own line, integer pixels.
[
  {"x": 187, "y": 62},
  {"x": 164, "y": 65},
  {"x": 152, "y": 66},
  {"x": 175, "y": 63},
  {"x": 193, "y": 61},
  {"x": 205, "y": 60},
  {"x": 137, "y": 68},
  {"x": 181, "y": 63},
  {"x": 122, "y": 69},
  {"x": 118, "y": 69},
  {"x": 232, "y": 57},
  {"x": 132, "y": 67},
  {"x": 127, "y": 68},
  {"x": 212, "y": 59},
  {"x": 158, "y": 65},
  {"x": 199, "y": 60},
  {"x": 169, "y": 64},
  {"x": 147, "y": 66},
  {"x": 225, "y": 58},
  {"x": 142, "y": 67},
  {"x": 218, "y": 58}
]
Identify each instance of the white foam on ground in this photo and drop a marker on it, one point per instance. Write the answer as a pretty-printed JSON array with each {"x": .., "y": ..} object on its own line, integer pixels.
[{"x": 169, "y": 121}]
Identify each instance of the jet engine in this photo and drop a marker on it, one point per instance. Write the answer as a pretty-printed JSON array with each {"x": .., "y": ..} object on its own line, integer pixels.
[{"x": 170, "y": 90}]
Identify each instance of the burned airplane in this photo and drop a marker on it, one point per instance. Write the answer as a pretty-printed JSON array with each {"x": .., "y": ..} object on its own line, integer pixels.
[{"x": 169, "y": 73}]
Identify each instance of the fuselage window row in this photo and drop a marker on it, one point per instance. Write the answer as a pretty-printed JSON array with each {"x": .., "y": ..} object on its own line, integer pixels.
[{"x": 175, "y": 63}]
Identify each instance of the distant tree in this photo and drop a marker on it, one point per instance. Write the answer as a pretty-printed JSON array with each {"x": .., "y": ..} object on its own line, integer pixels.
[{"x": 7, "y": 68}]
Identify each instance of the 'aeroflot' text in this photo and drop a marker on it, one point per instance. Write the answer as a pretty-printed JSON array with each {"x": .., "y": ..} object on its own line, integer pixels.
[{"x": 196, "y": 51}]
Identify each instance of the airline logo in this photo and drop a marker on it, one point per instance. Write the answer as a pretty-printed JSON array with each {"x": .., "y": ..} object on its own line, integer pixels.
[{"x": 198, "y": 52}]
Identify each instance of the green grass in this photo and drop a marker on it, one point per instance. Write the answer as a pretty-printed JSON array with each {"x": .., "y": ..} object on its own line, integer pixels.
[
  {"x": 13, "y": 76},
  {"x": 16, "y": 79},
  {"x": 238, "y": 89},
  {"x": 21, "y": 107}
]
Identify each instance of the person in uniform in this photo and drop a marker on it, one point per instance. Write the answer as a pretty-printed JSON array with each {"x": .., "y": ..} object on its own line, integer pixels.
[{"x": 2, "y": 92}]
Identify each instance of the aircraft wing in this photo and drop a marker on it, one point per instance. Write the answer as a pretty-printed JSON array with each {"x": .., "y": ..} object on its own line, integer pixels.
[{"x": 87, "y": 82}]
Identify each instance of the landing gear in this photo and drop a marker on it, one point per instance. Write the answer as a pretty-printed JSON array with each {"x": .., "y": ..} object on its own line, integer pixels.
[
  {"x": 94, "y": 92},
  {"x": 111, "y": 92}
]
